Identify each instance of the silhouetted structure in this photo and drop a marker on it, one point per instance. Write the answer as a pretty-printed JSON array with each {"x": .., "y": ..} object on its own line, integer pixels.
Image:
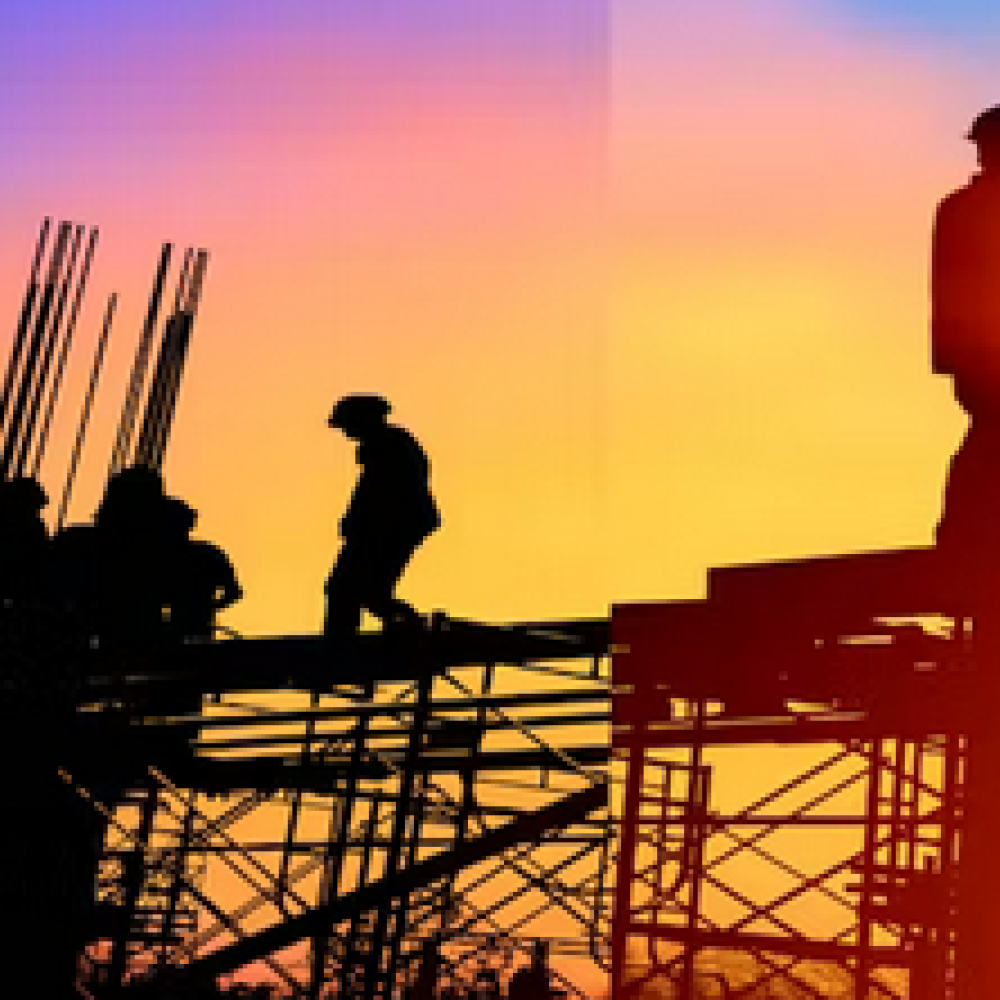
[
  {"x": 487, "y": 985},
  {"x": 533, "y": 982},
  {"x": 134, "y": 577},
  {"x": 55, "y": 603},
  {"x": 965, "y": 318},
  {"x": 201, "y": 580},
  {"x": 426, "y": 981},
  {"x": 390, "y": 514},
  {"x": 887, "y": 710},
  {"x": 403, "y": 854},
  {"x": 24, "y": 541}
]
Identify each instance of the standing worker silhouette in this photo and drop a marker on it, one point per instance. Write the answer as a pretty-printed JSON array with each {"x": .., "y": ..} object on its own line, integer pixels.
[
  {"x": 965, "y": 316},
  {"x": 24, "y": 540},
  {"x": 965, "y": 344},
  {"x": 391, "y": 512}
]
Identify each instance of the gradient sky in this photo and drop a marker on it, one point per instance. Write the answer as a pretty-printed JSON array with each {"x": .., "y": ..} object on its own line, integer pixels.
[
  {"x": 776, "y": 166},
  {"x": 398, "y": 197},
  {"x": 647, "y": 278},
  {"x": 425, "y": 199}
]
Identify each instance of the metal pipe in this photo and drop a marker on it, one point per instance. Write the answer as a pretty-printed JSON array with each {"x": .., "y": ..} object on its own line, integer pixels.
[
  {"x": 95, "y": 374},
  {"x": 162, "y": 401},
  {"x": 144, "y": 449},
  {"x": 48, "y": 353},
  {"x": 171, "y": 388},
  {"x": 197, "y": 283},
  {"x": 12, "y": 443},
  {"x": 31, "y": 293},
  {"x": 64, "y": 354},
  {"x": 180, "y": 294},
  {"x": 126, "y": 426}
]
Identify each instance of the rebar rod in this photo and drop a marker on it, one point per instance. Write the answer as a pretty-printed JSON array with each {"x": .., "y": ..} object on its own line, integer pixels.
[
  {"x": 137, "y": 379},
  {"x": 24, "y": 323},
  {"x": 64, "y": 352},
  {"x": 41, "y": 387},
  {"x": 12, "y": 443},
  {"x": 88, "y": 402}
]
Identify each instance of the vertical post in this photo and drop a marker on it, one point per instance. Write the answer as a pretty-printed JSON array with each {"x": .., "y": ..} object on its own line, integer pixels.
[
  {"x": 320, "y": 943},
  {"x": 400, "y": 825},
  {"x": 349, "y": 809},
  {"x": 947, "y": 947},
  {"x": 178, "y": 880},
  {"x": 688, "y": 964},
  {"x": 873, "y": 824},
  {"x": 979, "y": 865},
  {"x": 356, "y": 962},
  {"x": 293, "y": 819},
  {"x": 622, "y": 916},
  {"x": 416, "y": 805},
  {"x": 135, "y": 880}
]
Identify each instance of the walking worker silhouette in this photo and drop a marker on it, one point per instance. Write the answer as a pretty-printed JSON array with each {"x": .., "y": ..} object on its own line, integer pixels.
[
  {"x": 390, "y": 514},
  {"x": 965, "y": 343}
]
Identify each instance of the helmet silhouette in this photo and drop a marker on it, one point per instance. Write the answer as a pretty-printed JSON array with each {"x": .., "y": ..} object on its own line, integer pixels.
[
  {"x": 359, "y": 408},
  {"x": 985, "y": 126}
]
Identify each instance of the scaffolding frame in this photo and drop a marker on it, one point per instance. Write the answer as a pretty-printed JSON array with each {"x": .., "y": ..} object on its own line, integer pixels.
[{"x": 320, "y": 844}]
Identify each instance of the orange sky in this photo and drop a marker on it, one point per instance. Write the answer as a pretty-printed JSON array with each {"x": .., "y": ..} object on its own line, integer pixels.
[{"x": 654, "y": 312}]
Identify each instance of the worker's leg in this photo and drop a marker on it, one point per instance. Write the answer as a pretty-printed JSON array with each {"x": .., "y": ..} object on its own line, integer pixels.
[
  {"x": 385, "y": 564},
  {"x": 970, "y": 520},
  {"x": 345, "y": 588}
]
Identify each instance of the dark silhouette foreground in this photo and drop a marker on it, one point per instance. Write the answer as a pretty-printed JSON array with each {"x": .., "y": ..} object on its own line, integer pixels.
[
  {"x": 391, "y": 512},
  {"x": 965, "y": 332},
  {"x": 135, "y": 578}
]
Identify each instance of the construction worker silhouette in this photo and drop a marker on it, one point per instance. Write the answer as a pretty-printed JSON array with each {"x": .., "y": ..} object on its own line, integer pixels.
[
  {"x": 38, "y": 641},
  {"x": 201, "y": 580},
  {"x": 24, "y": 540},
  {"x": 390, "y": 514},
  {"x": 132, "y": 536},
  {"x": 965, "y": 343}
]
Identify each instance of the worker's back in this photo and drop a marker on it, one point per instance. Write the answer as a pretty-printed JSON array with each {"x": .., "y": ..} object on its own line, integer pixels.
[{"x": 965, "y": 284}]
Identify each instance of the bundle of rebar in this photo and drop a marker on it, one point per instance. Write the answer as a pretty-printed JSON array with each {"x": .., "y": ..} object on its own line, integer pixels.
[
  {"x": 41, "y": 346},
  {"x": 148, "y": 447}
]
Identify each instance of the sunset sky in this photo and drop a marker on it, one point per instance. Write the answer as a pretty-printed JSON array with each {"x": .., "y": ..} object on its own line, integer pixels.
[
  {"x": 397, "y": 197},
  {"x": 648, "y": 282},
  {"x": 646, "y": 277}
]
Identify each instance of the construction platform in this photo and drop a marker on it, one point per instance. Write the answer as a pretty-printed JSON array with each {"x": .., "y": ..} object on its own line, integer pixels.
[
  {"x": 807, "y": 757},
  {"x": 269, "y": 819}
]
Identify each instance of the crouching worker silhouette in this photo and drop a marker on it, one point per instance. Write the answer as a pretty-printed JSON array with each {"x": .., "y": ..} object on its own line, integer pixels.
[{"x": 391, "y": 512}]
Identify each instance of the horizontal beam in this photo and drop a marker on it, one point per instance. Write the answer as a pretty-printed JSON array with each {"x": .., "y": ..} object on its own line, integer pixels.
[
  {"x": 782, "y": 730},
  {"x": 772, "y": 944},
  {"x": 312, "y": 663}
]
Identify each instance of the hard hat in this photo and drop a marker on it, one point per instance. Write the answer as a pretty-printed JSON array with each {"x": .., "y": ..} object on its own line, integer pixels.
[
  {"x": 24, "y": 493},
  {"x": 139, "y": 478},
  {"x": 182, "y": 515},
  {"x": 358, "y": 408},
  {"x": 985, "y": 126}
]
